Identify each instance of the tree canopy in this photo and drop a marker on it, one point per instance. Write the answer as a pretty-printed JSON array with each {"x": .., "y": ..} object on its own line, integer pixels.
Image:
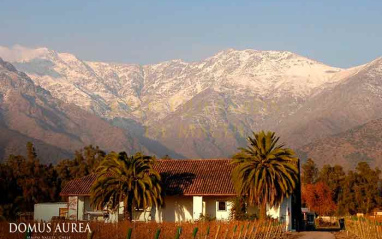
[
  {"x": 128, "y": 179},
  {"x": 309, "y": 172},
  {"x": 357, "y": 191},
  {"x": 266, "y": 172}
]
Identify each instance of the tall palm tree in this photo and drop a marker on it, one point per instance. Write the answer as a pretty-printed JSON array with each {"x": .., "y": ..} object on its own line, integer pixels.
[
  {"x": 265, "y": 171},
  {"x": 128, "y": 179}
]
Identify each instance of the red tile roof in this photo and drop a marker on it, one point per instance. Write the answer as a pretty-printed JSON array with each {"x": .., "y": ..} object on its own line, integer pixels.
[
  {"x": 79, "y": 186},
  {"x": 188, "y": 177},
  {"x": 197, "y": 176}
]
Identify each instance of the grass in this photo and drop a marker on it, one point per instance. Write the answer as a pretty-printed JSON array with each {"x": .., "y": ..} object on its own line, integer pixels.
[{"x": 364, "y": 228}]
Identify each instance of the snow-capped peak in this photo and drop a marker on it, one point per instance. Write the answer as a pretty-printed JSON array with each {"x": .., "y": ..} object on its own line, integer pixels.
[{"x": 131, "y": 90}]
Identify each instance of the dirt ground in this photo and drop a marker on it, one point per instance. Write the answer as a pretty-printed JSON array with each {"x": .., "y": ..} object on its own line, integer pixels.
[
  {"x": 292, "y": 235},
  {"x": 343, "y": 235}
]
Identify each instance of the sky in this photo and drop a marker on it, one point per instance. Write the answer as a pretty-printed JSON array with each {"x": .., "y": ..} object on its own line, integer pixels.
[{"x": 338, "y": 33}]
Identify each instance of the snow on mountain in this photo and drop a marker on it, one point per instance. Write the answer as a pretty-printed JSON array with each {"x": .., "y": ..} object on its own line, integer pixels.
[
  {"x": 352, "y": 102},
  {"x": 152, "y": 92},
  {"x": 207, "y": 108},
  {"x": 30, "y": 113}
]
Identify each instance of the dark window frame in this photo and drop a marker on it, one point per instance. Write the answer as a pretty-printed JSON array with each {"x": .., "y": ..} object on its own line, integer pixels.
[{"x": 222, "y": 203}]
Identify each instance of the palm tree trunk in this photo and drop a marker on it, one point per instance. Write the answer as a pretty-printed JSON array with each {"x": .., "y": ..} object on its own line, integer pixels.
[
  {"x": 129, "y": 210},
  {"x": 263, "y": 211}
]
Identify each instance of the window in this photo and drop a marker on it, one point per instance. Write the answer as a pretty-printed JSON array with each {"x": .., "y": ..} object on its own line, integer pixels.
[{"x": 222, "y": 206}]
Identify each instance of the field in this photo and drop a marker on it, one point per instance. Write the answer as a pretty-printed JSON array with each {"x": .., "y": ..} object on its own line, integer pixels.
[
  {"x": 141, "y": 230},
  {"x": 364, "y": 228}
]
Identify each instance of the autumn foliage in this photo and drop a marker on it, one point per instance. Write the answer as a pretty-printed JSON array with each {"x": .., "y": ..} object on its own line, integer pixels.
[{"x": 318, "y": 197}]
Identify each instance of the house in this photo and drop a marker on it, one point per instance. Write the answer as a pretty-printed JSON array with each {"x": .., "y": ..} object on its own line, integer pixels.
[
  {"x": 47, "y": 211},
  {"x": 194, "y": 188},
  {"x": 377, "y": 212}
]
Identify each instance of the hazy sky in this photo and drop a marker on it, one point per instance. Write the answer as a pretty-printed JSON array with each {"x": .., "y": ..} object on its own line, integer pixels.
[{"x": 338, "y": 33}]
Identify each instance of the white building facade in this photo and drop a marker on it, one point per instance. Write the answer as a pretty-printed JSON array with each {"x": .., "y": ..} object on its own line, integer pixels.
[
  {"x": 49, "y": 211},
  {"x": 195, "y": 189},
  {"x": 188, "y": 209}
]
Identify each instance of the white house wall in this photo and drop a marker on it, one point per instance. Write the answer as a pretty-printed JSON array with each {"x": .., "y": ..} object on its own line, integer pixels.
[
  {"x": 73, "y": 207},
  {"x": 283, "y": 212},
  {"x": 197, "y": 207},
  {"x": 143, "y": 216},
  {"x": 81, "y": 208},
  {"x": 273, "y": 212},
  {"x": 45, "y": 211},
  {"x": 177, "y": 209},
  {"x": 210, "y": 203},
  {"x": 180, "y": 209},
  {"x": 223, "y": 214},
  {"x": 87, "y": 206},
  {"x": 188, "y": 208}
]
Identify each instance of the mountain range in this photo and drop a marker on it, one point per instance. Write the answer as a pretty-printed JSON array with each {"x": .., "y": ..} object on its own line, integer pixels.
[{"x": 202, "y": 109}]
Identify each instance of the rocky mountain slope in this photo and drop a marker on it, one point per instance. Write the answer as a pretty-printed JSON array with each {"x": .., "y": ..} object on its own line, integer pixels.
[
  {"x": 30, "y": 113},
  {"x": 354, "y": 101},
  {"x": 151, "y": 92},
  {"x": 362, "y": 143},
  {"x": 207, "y": 108}
]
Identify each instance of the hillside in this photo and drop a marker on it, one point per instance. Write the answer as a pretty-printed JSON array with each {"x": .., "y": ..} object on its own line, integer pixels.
[
  {"x": 206, "y": 109},
  {"x": 362, "y": 143},
  {"x": 354, "y": 101},
  {"x": 30, "y": 113}
]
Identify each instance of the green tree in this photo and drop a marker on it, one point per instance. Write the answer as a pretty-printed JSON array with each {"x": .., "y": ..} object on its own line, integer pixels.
[
  {"x": 31, "y": 152},
  {"x": 309, "y": 172},
  {"x": 9, "y": 192},
  {"x": 266, "y": 172},
  {"x": 361, "y": 190},
  {"x": 128, "y": 179},
  {"x": 85, "y": 162},
  {"x": 367, "y": 188},
  {"x": 334, "y": 177},
  {"x": 347, "y": 203},
  {"x": 26, "y": 181}
]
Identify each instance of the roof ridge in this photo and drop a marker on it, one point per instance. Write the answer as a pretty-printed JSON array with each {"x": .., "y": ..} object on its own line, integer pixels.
[{"x": 182, "y": 176}]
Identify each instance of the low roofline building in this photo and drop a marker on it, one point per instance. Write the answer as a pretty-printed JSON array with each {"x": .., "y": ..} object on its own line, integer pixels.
[{"x": 193, "y": 188}]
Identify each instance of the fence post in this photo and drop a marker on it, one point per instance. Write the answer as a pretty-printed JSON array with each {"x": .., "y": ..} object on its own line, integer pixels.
[
  {"x": 129, "y": 231},
  {"x": 226, "y": 233},
  {"x": 28, "y": 234},
  {"x": 208, "y": 232},
  {"x": 195, "y": 232},
  {"x": 241, "y": 231},
  {"x": 246, "y": 231},
  {"x": 90, "y": 235},
  {"x": 234, "y": 231},
  {"x": 253, "y": 230},
  {"x": 178, "y": 232},
  {"x": 217, "y": 232},
  {"x": 157, "y": 234}
]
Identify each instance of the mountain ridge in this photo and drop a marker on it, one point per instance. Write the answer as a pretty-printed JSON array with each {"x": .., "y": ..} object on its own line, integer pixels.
[
  {"x": 30, "y": 113},
  {"x": 207, "y": 108},
  {"x": 361, "y": 143}
]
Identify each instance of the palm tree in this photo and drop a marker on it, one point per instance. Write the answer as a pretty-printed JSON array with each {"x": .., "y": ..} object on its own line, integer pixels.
[
  {"x": 265, "y": 171},
  {"x": 128, "y": 179}
]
